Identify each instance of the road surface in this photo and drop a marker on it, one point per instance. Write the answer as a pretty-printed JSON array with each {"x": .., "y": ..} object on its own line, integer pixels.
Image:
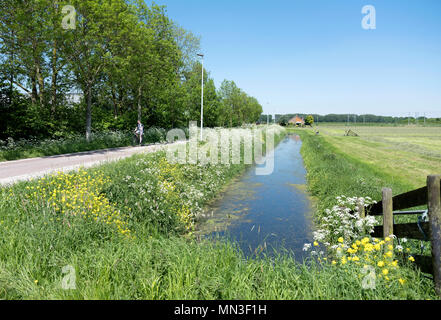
[{"x": 19, "y": 170}]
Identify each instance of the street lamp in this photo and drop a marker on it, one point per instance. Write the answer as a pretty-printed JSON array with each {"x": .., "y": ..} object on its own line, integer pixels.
[
  {"x": 267, "y": 115},
  {"x": 202, "y": 94}
]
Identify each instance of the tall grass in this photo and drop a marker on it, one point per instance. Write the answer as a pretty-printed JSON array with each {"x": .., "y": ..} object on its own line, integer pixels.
[
  {"x": 332, "y": 173},
  {"x": 21, "y": 149},
  {"x": 158, "y": 260},
  {"x": 174, "y": 268},
  {"x": 11, "y": 149}
]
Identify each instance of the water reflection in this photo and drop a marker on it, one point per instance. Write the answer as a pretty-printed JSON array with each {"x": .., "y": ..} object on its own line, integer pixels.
[{"x": 266, "y": 213}]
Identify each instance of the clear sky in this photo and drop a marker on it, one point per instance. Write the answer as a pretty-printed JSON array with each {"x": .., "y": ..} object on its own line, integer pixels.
[{"x": 313, "y": 56}]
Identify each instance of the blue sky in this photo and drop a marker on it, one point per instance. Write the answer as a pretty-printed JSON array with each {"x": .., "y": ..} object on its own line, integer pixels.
[{"x": 313, "y": 56}]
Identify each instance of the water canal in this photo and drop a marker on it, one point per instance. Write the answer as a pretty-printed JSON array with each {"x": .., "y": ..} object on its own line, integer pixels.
[{"x": 266, "y": 213}]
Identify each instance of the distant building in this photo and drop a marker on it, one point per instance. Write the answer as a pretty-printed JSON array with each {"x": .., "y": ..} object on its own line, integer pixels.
[
  {"x": 297, "y": 121},
  {"x": 74, "y": 98}
]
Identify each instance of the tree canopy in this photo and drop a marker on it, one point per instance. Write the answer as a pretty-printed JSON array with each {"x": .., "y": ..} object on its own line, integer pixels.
[{"x": 122, "y": 59}]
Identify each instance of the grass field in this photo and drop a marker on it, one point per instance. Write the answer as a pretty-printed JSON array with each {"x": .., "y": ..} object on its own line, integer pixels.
[
  {"x": 408, "y": 153},
  {"x": 395, "y": 157}
]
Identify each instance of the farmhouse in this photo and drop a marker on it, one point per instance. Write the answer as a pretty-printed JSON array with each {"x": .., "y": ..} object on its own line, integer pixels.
[{"x": 297, "y": 121}]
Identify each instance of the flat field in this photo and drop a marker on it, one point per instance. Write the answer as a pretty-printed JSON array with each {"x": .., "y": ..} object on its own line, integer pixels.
[{"x": 408, "y": 153}]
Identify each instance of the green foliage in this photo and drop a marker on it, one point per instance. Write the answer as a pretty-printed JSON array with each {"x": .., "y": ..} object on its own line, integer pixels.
[
  {"x": 126, "y": 60},
  {"x": 237, "y": 107},
  {"x": 11, "y": 149},
  {"x": 309, "y": 120}
]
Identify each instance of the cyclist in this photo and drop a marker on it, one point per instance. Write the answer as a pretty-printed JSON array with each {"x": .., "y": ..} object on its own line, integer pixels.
[{"x": 139, "y": 131}]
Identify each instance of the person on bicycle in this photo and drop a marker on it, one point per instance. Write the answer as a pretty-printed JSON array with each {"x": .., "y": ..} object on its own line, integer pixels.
[{"x": 139, "y": 131}]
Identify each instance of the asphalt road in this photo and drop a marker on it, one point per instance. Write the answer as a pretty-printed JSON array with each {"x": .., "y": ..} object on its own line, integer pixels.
[{"x": 13, "y": 171}]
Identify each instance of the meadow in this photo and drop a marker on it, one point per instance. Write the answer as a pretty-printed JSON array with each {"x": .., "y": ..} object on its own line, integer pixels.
[
  {"x": 124, "y": 231},
  {"x": 341, "y": 167},
  {"x": 408, "y": 153}
]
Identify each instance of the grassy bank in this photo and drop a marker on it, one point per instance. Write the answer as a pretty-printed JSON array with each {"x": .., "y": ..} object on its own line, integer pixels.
[
  {"x": 333, "y": 173},
  {"x": 120, "y": 231},
  {"x": 174, "y": 268},
  {"x": 23, "y": 149}
]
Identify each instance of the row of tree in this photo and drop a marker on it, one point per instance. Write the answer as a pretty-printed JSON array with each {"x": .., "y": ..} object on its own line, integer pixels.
[
  {"x": 352, "y": 118},
  {"x": 124, "y": 59}
]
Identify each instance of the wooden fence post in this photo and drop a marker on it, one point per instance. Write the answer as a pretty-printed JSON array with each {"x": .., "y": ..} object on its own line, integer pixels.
[
  {"x": 434, "y": 206},
  {"x": 361, "y": 210},
  {"x": 388, "y": 215}
]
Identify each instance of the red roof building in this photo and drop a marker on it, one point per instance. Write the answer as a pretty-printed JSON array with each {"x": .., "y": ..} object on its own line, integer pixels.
[{"x": 297, "y": 121}]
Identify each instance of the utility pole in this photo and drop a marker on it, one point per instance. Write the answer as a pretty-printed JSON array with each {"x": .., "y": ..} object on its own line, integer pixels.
[
  {"x": 267, "y": 115},
  {"x": 202, "y": 95}
]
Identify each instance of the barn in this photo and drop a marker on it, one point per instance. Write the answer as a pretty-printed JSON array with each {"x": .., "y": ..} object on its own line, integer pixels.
[{"x": 297, "y": 121}]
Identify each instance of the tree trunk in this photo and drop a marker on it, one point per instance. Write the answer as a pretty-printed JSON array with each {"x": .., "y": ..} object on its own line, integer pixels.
[
  {"x": 115, "y": 104},
  {"x": 11, "y": 87},
  {"x": 40, "y": 84},
  {"x": 37, "y": 73},
  {"x": 34, "y": 93},
  {"x": 139, "y": 103},
  {"x": 54, "y": 79},
  {"x": 231, "y": 117},
  {"x": 89, "y": 113}
]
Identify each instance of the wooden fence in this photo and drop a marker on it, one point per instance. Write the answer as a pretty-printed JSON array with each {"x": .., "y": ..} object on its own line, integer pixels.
[{"x": 425, "y": 231}]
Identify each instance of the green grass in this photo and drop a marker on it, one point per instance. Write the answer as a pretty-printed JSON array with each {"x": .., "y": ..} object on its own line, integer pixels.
[
  {"x": 332, "y": 173},
  {"x": 174, "y": 268},
  {"x": 408, "y": 153},
  {"x": 23, "y": 149},
  {"x": 335, "y": 168},
  {"x": 159, "y": 260}
]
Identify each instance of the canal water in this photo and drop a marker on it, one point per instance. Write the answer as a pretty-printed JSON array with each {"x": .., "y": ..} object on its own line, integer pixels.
[{"x": 265, "y": 214}]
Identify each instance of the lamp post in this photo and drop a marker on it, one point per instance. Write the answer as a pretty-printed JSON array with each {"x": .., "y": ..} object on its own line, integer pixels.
[
  {"x": 202, "y": 94},
  {"x": 267, "y": 115}
]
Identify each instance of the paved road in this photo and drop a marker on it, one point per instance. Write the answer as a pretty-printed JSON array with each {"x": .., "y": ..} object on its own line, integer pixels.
[{"x": 13, "y": 171}]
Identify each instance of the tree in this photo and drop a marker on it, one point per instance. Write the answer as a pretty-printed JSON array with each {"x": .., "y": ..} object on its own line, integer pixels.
[
  {"x": 309, "y": 120},
  {"x": 128, "y": 59},
  {"x": 87, "y": 46}
]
